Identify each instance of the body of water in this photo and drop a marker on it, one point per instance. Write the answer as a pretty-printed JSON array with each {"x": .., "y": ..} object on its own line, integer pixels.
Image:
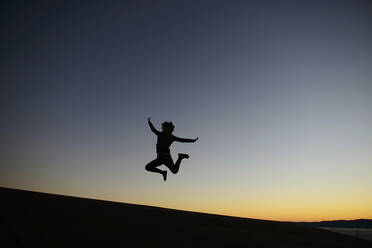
[{"x": 363, "y": 233}]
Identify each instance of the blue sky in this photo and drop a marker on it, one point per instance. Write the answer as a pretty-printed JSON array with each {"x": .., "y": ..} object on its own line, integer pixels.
[{"x": 278, "y": 92}]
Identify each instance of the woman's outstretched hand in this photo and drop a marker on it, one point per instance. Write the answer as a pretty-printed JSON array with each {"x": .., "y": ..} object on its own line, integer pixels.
[
  {"x": 196, "y": 139},
  {"x": 148, "y": 119}
]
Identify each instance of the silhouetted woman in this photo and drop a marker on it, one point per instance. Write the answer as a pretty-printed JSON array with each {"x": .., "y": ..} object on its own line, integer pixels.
[{"x": 165, "y": 139}]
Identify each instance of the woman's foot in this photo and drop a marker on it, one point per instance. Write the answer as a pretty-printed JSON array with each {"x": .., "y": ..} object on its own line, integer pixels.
[
  {"x": 165, "y": 175},
  {"x": 183, "y": 155}
]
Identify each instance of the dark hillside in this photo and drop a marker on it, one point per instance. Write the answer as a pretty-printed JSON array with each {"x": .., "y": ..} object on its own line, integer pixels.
[{"x": 30, "y": 219}]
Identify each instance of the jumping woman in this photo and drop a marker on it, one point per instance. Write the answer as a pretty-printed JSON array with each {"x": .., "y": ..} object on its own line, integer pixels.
[{"x": 165, "y": 139}]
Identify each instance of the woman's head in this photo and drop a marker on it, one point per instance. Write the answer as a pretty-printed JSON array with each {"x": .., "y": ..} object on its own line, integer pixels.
[{"x": 167, "y": 127}]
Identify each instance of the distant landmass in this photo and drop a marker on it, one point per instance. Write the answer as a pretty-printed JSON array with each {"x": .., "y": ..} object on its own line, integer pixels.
[
  {"x": 33, "y": 219},
  {"x": 360, "y": 223}
]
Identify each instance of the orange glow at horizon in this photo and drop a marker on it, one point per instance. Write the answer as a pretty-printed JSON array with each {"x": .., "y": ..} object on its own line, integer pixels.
[{"x": 303, "y": 208}]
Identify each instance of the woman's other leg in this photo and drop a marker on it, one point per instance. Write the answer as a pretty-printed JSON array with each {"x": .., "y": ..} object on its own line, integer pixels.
[
  {"x": 174, "y": 167},
  {"x": 152, "y": 166}
]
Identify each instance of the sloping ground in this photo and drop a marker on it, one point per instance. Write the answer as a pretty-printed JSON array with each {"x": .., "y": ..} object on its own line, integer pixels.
[{"x": 30, "y": 219}]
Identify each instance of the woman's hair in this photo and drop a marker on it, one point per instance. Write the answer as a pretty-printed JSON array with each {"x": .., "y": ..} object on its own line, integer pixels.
[{"x": 167, "y": 125}]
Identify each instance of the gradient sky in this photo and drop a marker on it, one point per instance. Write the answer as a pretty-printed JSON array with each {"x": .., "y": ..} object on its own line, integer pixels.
[{"x": 279, "y": 92}]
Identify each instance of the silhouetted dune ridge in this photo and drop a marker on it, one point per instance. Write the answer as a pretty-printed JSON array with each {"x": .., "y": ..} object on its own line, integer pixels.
[{"x": 32, "y": 219}]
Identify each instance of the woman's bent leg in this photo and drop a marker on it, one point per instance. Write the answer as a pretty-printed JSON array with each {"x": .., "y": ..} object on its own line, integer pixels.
[
  {"x": 173, "y": 167},
  {"x": 152, "y": 166}
]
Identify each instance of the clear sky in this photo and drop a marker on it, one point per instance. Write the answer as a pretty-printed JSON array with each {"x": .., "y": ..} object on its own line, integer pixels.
[{"x": 279, "y": 92}]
